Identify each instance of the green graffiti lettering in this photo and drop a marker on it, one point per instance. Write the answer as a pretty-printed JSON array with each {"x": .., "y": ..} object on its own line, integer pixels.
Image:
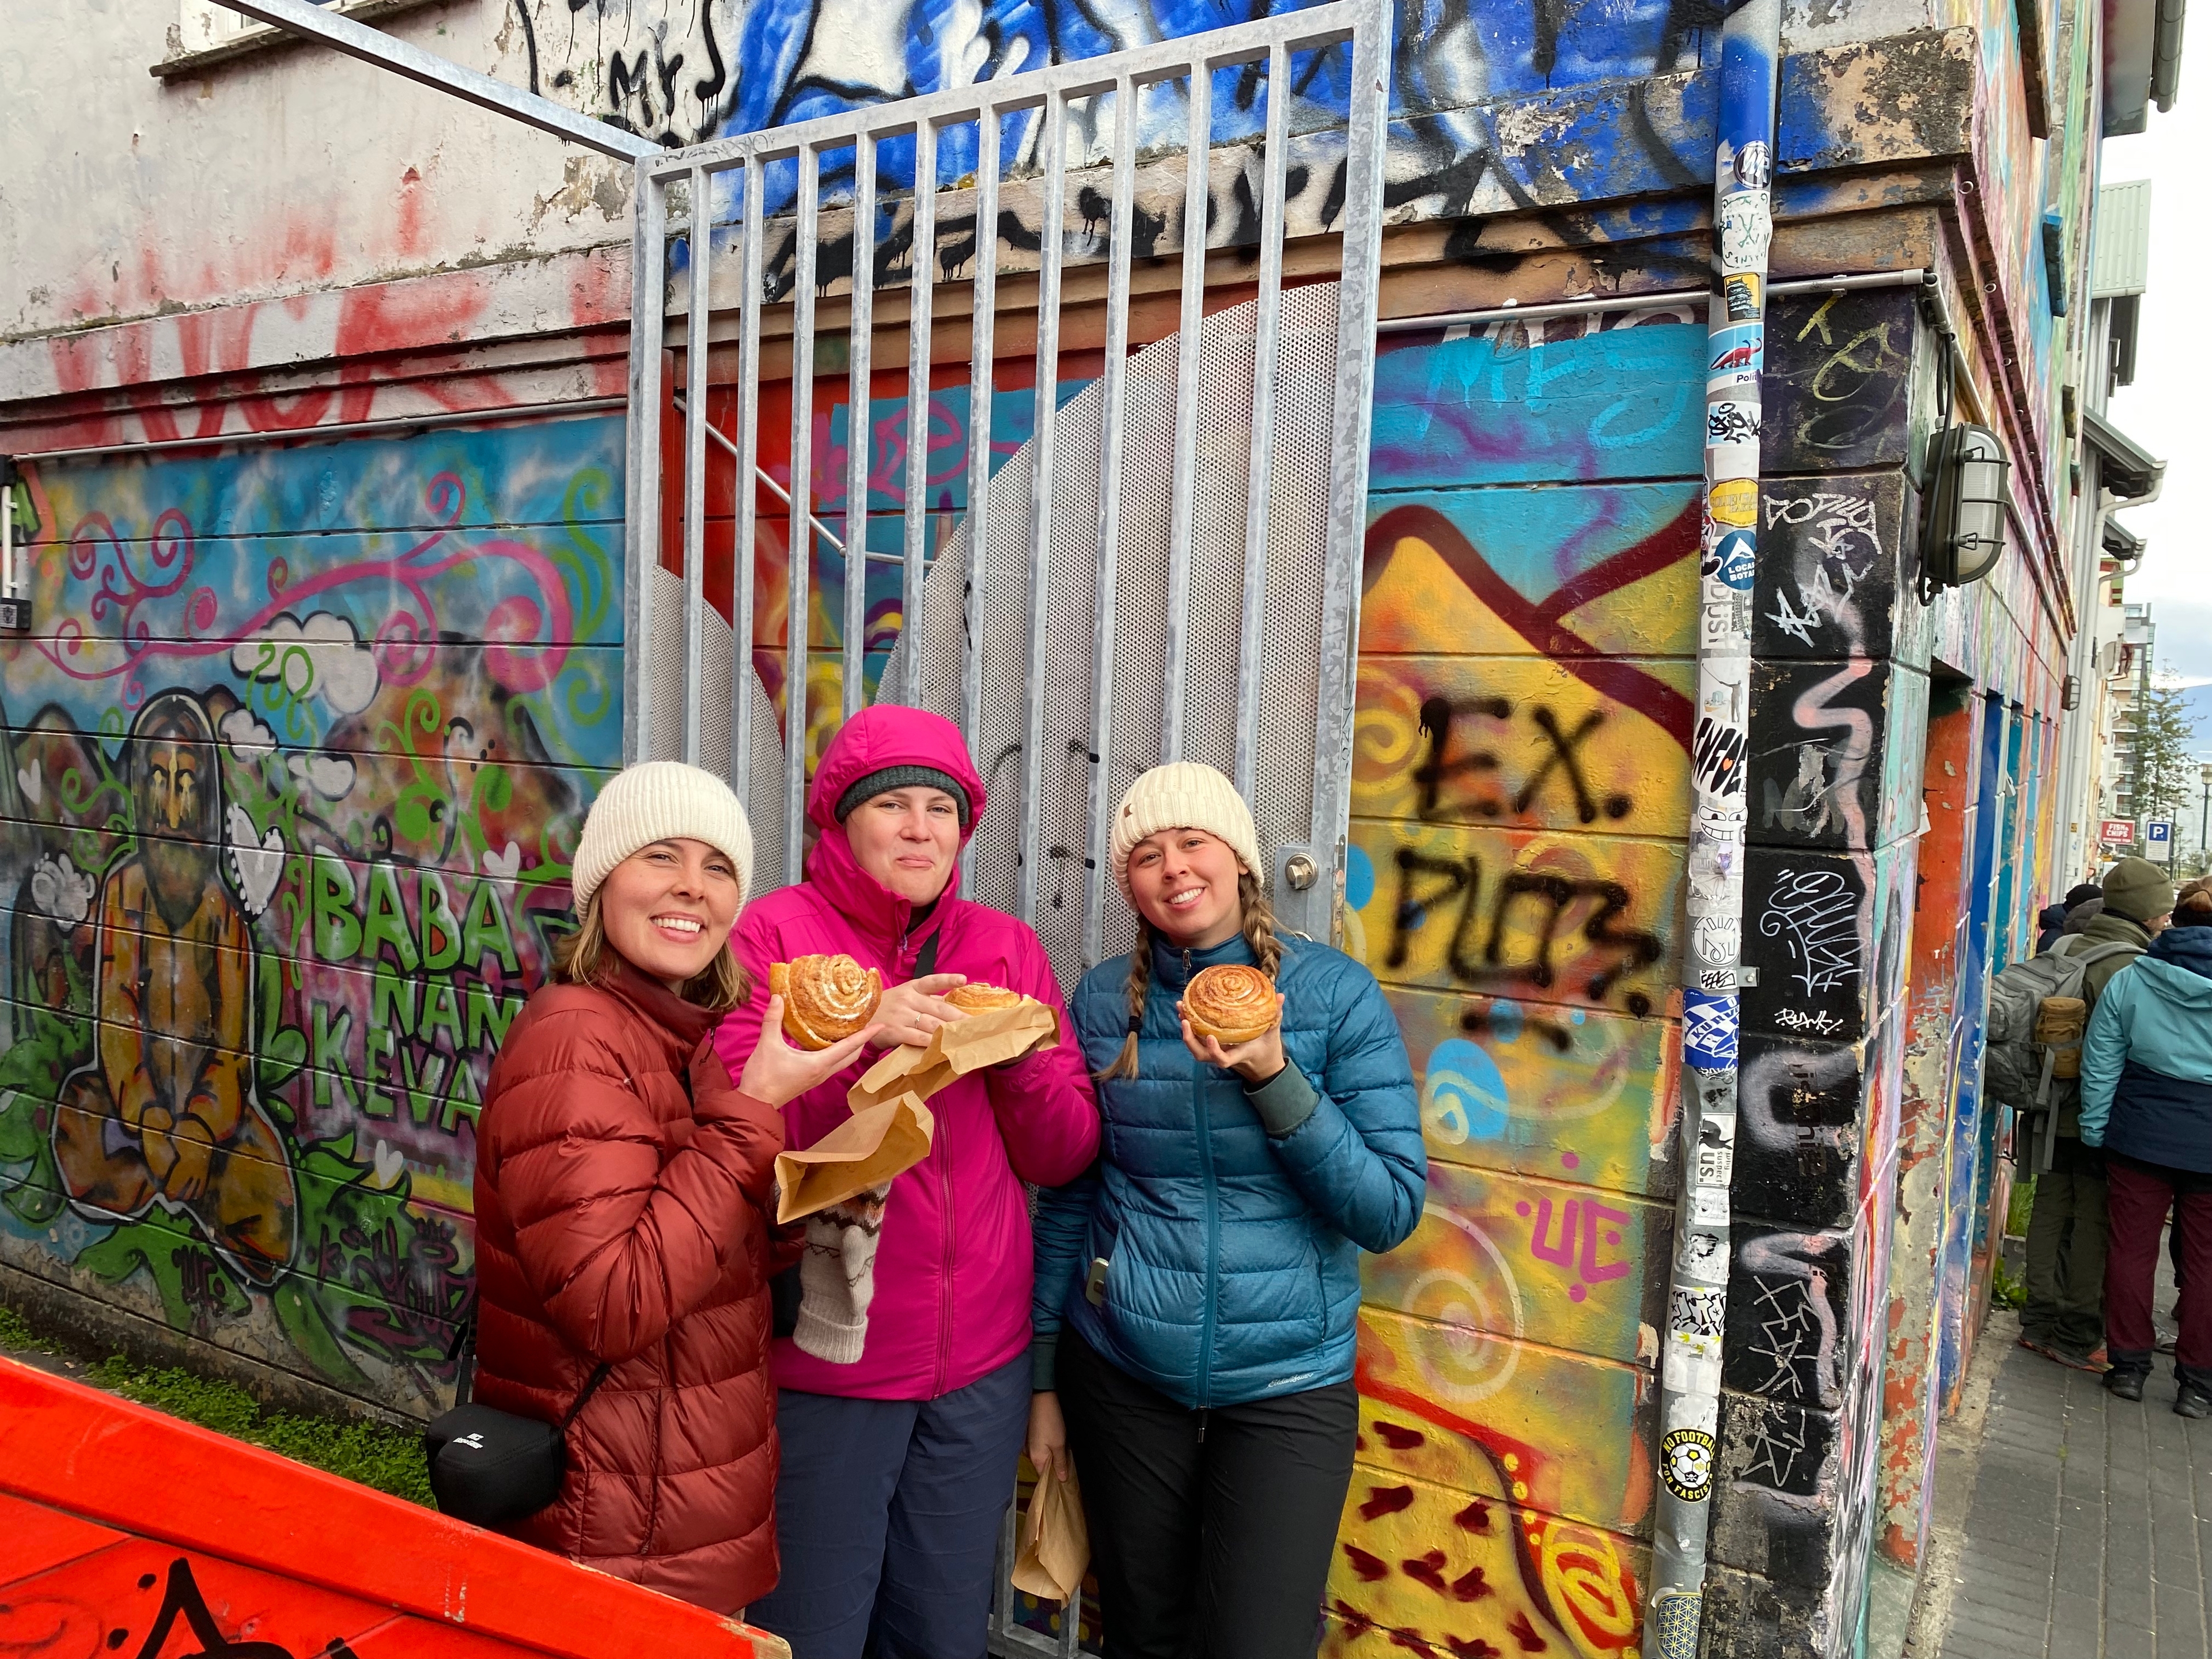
[
  {"x": 442, "y": 928},
  {"x": 442, "y": 1012},
  {"x": 373, "y": 1100},
  {"x": 489, "y": 1017},
  {"x": 387, "y": 921},
  {"x": 390, "y": 994},
  {"x": 422, "y": 1087},
  {"x": 330, "y": 1061},
  {"x": 486, "y": 929},
  {"x": 337, "y": 932},
  {"x": 463, "y": 1099}
]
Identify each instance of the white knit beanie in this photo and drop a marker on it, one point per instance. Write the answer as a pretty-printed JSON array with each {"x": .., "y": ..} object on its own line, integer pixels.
[
  {"x": 1185, "y": 795},
  {"x": 655, "y": 800}
]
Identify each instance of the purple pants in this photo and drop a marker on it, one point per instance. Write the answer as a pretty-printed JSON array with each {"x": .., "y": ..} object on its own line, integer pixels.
[{"x": 2140, "y": 1196}]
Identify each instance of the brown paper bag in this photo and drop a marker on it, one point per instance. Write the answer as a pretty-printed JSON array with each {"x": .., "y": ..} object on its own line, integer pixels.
[
  {"x": 865, "y": 1150},
  {"x": 1055, "y": 1542},
  {"x": 955, "y": 1050}
]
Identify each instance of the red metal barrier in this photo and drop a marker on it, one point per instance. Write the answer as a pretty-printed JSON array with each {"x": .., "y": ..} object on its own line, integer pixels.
[{"x": 126, "y": 1532}]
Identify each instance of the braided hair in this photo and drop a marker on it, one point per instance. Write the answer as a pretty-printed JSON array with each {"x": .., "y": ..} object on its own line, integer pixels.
[{"x": 1259, "y": 927}]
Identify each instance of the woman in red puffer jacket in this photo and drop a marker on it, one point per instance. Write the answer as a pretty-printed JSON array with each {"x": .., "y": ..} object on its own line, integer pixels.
[{"x": 621, "y": 1190}]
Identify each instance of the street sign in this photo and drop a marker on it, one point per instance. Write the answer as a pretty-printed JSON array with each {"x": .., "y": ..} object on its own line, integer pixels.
[
  {"x": 2117, "y": 830},
  {"x": 2158, "y": 833}
]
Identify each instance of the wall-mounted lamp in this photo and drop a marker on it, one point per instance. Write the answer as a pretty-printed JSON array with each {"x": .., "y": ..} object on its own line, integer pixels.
[
  {"x": 2070, "y": 695},
  {"x": 1962, "y": 531}
]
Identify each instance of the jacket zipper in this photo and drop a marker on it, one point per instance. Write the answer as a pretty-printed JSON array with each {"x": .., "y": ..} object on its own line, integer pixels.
[
  {"x": 1212, "y": 1230},
  {"x": 948, "y": 1234}
]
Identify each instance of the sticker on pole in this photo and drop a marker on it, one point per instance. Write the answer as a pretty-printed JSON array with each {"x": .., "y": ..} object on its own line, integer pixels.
[
  {"x": 1709, "y": 1028},
  {"x": 1685, "y": 1463}
]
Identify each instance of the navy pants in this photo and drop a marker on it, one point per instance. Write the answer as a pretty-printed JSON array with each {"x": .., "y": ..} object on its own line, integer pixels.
[{"x": 887, "y": 1516}]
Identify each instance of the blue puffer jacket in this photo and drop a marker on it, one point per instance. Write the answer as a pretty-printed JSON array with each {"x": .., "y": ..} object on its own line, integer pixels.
[
  {"x": 2146, "y": 1061},
  {"x": 1233, "y": 1252}
]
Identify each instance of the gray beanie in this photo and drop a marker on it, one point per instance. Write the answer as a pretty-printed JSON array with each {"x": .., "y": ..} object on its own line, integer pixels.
[{"x": 882, "y": 781}]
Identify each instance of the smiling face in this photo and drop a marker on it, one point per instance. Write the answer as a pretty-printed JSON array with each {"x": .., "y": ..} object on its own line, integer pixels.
[
  {"x": 667, "y": 909},
  {"x": 1184, "y": 883},
  {"x": 907, "y": 839}
]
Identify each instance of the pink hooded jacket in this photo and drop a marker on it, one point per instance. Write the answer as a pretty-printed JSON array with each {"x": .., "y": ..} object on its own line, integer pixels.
[{"x": 953, "y": 1270}]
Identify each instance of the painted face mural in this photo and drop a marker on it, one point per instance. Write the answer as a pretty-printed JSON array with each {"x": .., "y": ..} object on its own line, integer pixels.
[{"x": 293, "y": 776}]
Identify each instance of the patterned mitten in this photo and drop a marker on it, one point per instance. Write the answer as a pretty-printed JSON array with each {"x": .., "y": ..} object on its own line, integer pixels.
[{"x": 838, "y": 1277}]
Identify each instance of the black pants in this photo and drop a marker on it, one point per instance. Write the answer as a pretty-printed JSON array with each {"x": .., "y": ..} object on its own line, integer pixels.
[{"x": 1211, "y": 1531}]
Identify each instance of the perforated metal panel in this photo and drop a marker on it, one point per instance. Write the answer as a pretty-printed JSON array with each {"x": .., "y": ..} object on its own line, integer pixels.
[
  {"x": 1288, "y": 665},
  {"x": 1203, "y": 607}
]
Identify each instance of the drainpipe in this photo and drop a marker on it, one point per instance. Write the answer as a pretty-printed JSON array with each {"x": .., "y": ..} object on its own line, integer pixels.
[{"x": 1690, "y": 1370}]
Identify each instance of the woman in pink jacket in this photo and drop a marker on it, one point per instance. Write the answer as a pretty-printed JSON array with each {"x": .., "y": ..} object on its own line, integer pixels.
[{"x": 903, "y": 1391}]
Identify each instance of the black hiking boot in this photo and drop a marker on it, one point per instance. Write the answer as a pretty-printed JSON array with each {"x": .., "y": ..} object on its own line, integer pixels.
[
  {"x": 2192, "y": 1402},
  {"x": 2126, "y": 1385}
]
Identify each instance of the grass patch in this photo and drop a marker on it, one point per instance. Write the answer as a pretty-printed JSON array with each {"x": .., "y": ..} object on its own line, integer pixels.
[
  {"x": 2004, "y": 1289},
  {"x": 14, "y": 1334},
  {"x": 389, "y": 1459},
  {"x": 2021, "y": 1206}
]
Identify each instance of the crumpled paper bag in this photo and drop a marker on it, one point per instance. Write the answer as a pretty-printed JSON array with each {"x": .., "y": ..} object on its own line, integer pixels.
[
  {"x": 1055, "y": 1542},
  {"x": 955, "y": 1050},
  {"x": 864, "y": 1151}
]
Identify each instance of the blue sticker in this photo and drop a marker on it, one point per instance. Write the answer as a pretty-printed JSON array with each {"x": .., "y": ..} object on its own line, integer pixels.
[
  {"x": 1735, "y": 350},
  {"x": 1731, "y": 558},
  {"x": 1709, "y": 1028}
]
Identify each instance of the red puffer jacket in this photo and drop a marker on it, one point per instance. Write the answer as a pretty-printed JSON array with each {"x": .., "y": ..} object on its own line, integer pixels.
[{"x": 620, "y": 1219}]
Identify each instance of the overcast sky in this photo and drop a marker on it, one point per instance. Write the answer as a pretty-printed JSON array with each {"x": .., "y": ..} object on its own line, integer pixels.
[{"x": 2164, "y": 409}]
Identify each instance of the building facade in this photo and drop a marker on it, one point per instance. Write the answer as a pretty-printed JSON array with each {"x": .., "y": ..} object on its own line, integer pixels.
[{"x": 314, "y": 381}]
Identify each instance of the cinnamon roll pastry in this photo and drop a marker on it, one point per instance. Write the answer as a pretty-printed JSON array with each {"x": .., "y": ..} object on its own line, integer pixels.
[
  {"x": 825, "y": 998},
  {"x": 977, "y": 998},
  {"x": 1231, "y": 1004}
]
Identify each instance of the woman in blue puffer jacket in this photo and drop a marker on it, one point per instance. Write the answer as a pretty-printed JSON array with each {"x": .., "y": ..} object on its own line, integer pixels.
[
  {"x": 1196, "y": 1289},
  {"x": 2147, "y": 1101}
]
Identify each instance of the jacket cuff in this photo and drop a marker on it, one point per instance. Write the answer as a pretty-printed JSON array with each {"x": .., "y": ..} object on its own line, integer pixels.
[
  {"x": 1283, "y": 1101},
  {"x": 1044, "y": 1360}
]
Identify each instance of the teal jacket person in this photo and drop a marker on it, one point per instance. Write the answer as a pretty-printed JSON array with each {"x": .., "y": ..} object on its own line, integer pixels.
[{"x": 1231, "y": 1220}]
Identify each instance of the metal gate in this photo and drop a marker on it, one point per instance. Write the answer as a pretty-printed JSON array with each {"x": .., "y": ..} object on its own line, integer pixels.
[{"x": 1167, "y": 567}]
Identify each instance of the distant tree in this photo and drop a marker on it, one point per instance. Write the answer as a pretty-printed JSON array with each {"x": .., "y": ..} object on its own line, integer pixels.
[{"x": 2168, "y": 782}]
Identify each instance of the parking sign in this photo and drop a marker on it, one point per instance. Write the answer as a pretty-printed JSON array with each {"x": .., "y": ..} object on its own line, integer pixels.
[{"x": 2158, "y": 833}]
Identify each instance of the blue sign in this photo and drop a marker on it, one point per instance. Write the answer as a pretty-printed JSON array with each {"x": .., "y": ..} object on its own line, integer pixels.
[{"x": 2158, "y": 833}]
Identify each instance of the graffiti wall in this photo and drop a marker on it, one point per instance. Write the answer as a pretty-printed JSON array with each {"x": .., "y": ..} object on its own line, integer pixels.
[{"x": 293, "y": 765}]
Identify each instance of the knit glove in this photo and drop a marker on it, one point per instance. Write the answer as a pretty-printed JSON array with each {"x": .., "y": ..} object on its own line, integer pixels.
[{"x": 838, "y": 1277}]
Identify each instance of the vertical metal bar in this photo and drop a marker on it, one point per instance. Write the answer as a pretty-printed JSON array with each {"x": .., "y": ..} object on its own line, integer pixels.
[
  {"x": 641, "y": 490},
  {"x": 985, "y": 298},
  {"x": 920, "y": 291},
  {"x": 1348, "y": 444},
  {"x": 1267, "y": 360},
  {"x": 801, "y": 540},
  {"x": 1112, "y": 395},
  {"x": 1042, "y": 444},
  {"x": 696, "y": 322},
  {"x": 745, "y": 565},
  {"x": 1184, "y": 506},
  {"x": 858, "y": 338}
]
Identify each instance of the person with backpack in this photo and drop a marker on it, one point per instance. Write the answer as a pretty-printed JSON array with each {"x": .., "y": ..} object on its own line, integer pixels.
[
  {"x": 2147, "y": 1101},
  {"x": 2052, "y": 922},
  {"x": 2064, "y": 1319}
]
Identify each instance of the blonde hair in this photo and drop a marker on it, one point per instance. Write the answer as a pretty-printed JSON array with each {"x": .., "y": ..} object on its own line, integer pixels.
[
  {"x": 585, "y": 957},
  {"x": 1259, "y": 928}
]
